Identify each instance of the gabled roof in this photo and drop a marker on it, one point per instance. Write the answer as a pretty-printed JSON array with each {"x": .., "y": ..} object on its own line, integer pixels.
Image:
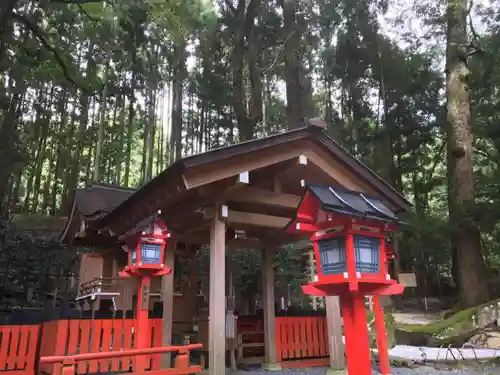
[
  {"x": 309, "y": 132},
  {"x": 98, "y": 199},
  {"x": 91, "y": 203},
  {"x": 106, "y": 206},
  {"x": 351, "y": 203}
]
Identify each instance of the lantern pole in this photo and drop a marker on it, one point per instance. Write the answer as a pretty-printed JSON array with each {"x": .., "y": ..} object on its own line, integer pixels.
[
  {"x": 351, "y": 260},
  {"x": 145, "y": 260},
  {"x": 383, "y": 353},
  {"x": 143, "y": 313}
]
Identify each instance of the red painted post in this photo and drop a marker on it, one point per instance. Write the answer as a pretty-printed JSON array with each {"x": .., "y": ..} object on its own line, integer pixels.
[
  {"x": 356, "y": 334},
  {"x": 142, "y": 339},
  {"x": 383, "y": 354}
]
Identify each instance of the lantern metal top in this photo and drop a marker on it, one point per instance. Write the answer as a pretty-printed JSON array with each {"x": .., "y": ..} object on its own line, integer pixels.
[
  {"x": 350, "y": 203},
  {"x": 141, "y": 226}
]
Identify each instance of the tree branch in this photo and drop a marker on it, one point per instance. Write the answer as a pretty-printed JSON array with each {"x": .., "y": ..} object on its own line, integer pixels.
[
  {"x": 57, "y": 56},
  {"x": 278, "y": 54},
  {"x": 92, "y": 18},
  {"x": 474, "y": 46}
]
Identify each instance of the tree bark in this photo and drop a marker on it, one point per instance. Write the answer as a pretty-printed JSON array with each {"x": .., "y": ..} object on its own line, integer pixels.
[
  {"x": 291, "y": 33},
  {"x": 470, "y": 266}
]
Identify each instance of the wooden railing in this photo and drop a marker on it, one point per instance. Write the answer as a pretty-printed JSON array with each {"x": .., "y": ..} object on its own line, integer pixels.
[
  {"x": 69, "y": 365},
  {"x": 105, "y": 287},
  {"x": 100, "y": 286},
  {"x": 70, "y": 337},
  {"x": 299, "y": 340}
]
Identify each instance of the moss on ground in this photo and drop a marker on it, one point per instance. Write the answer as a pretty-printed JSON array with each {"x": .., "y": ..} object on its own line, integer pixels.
[{"x": 456, "y": 324}]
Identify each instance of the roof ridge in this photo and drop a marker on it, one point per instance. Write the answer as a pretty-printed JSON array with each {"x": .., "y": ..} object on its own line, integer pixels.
[{"x": 103, "y": 185}]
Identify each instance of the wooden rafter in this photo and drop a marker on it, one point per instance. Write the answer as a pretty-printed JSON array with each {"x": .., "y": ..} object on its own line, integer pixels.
[{"x": 249, "y": 218}]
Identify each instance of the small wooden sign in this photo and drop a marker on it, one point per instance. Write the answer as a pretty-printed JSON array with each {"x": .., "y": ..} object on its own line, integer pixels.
[
  {"x": 409, "y": 280},
  {"x": 145, "y": 295}
]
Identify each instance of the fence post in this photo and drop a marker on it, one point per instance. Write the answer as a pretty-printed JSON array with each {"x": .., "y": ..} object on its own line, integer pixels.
[{"x": 52, "y": 339}]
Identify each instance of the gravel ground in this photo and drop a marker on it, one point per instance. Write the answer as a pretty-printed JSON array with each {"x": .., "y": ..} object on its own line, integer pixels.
[{"x": 476, "y": 370}]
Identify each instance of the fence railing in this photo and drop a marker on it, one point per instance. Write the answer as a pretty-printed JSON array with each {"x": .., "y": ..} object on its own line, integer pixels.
[
  {"x": 301, "y": 337},
  {"x": 69, "y": 337},
  {"x": 69, "y": 364},
  {"x": 17, "y": 348},
  {"x": 298, "y": 339}
]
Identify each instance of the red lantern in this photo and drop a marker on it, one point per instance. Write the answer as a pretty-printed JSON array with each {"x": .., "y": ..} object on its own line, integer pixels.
[
  {"x": 147, "y": 254},
  {"x": 348, "y": 231},
  {"x": 145, "y": 260}
]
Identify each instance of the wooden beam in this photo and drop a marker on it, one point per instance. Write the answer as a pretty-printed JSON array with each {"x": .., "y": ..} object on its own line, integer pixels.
[
  {"x": 236, "y": 243},
  {"x": 167, "y": 297},
  {"x": 334, "y": 324},
  {"x": 205, "y": 175},
  {"x": 248, "y": 218},
  {"x": 269, "y": 317},
  {"x": 225, "y": 186},
  {"x": 253, "y": 194}
]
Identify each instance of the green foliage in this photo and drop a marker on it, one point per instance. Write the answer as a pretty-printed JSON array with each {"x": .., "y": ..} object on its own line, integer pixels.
[{"x": 30, "y": 260}]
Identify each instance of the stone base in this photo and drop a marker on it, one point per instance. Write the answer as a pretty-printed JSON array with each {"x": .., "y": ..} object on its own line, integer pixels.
[
  {"x": 331, "y": 371},
  {"x": 271, "y": 366}
]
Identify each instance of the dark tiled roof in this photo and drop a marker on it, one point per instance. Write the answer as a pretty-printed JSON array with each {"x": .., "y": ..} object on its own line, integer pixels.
[
  {"x": 91, "y": 203},
  {"x": 98, "y": 199},
  {"x": 351, "y": 203},
  {"x": 140, "y": 226}
]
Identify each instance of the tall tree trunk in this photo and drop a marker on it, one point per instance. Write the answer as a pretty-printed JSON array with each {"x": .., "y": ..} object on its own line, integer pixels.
[
  {"x": 177, "y": 91},
  {"x": 291, "y": 35},
  {"x": 6, "y": 9},
  {"x": 130, "y": 128},
  {"x": 151, "y": 133},
  {"x": 471, "y": 269},
  {"x": 100, "y": 128},
  {"x": 121, "y": 138},
  {"x": 76, "y": 164}
]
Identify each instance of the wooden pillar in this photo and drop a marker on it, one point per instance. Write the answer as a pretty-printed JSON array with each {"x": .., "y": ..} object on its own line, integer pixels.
[
  {"x": 217, "y": 318},
  {"x": 167, "y": 298},
  {"x": 335, "y": 345},
  {"x": 269, "y": 317},
  {"x": 397, "y": 261}
]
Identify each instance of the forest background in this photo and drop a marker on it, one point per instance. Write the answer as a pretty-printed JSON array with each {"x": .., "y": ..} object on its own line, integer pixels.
[{"x": 115, "y": 91}]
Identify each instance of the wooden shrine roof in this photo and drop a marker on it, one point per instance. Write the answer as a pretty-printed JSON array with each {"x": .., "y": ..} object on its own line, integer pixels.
[
  {"x": 260, "y": 180},
  {"x": 91, "y": 203}
]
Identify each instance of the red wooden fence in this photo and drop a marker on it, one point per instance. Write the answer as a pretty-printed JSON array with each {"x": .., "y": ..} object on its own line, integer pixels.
[
  {"x": 298, "y": 339},
  {"x": 70, "y": 363},
  {"x": 17, "y": 349},
  {"x": 68, "y": 337},
  {"x": 301, "y": 338}
]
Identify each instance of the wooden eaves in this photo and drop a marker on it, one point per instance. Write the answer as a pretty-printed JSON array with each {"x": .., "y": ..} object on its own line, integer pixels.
[{"x": 260, "y": 181}]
